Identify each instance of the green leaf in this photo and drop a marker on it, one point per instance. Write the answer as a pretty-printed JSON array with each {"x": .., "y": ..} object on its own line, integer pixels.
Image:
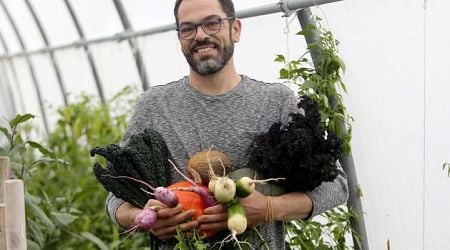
[
  {"x": 20, "y": 119},
  {"x": 5, "y": 131},
  {"x": 94, "y": 239},
  {"x": 280, "y": 58},
  {"x": 446, "y": 166},
  {"x": 39, "y": 213},
  {"x": 64, "y": 218},
  {"x": 42, "y": 149},
  {"x": 308, "y": 30},
  {"x": 36, "y": 232},
  {"x": 31, "y": 245},
  {"x": 284, "y": 74}
]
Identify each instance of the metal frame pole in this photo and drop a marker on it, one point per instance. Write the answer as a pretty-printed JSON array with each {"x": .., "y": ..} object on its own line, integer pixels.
[
  {"x": 30, "y": 65},
  {"x": 14, "y": 75},
  {"x": 51, "y": 53},
  {"x": 87, "y": 50},
  {"x": 6, "y": 94},
  {"x": 305, "y": 17},
  {"x": 133, "y": 44},
  {"x": 6, "y": 79},
  {"x": 286, "y": 6}
]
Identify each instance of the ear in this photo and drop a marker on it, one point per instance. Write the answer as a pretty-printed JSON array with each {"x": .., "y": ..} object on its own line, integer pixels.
[{"x": 236, "y": 30}]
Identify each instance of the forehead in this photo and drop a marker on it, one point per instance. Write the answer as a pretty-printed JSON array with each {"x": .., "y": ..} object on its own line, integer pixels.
[{"x": 197, "y": 10}]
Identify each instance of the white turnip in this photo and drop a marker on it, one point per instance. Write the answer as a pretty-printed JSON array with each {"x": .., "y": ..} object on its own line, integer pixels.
[
  {"x": 246, "y": 185},
  {"x": 224, "y": 190}
]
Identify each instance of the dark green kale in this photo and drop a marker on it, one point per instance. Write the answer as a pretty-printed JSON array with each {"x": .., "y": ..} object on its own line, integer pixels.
[
  {"x": 301, "y": 151},
  {"x": 144, "y": 157}
]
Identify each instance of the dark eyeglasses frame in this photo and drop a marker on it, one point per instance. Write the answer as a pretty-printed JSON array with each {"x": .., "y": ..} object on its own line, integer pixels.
[{"x": 194, "y": 33}]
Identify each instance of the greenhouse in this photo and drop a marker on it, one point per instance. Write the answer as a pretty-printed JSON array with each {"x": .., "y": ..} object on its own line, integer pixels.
[{"x": 337, "y": 111}]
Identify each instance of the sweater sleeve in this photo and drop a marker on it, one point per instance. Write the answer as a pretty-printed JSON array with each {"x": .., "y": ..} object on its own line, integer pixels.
[
  {"x": 112, "y": 204},
  {"x": 330, "y": 194}
]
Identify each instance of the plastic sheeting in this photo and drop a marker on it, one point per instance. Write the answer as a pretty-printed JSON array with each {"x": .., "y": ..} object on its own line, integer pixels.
[
  {"x": 396, "y": 54},
  {"x": 398, "y": 95}
]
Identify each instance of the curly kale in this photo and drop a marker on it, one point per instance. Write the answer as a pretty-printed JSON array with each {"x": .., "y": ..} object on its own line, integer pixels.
[
  {"x": 301, "y": 151},
  {"x": 145, "y": 157}
]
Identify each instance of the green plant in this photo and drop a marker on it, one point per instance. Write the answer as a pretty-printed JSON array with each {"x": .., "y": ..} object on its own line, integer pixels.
[
  {"x": 446, "y": 167},
  {"x": 64, "y": 201},
  {"x": 20, "y": 148},
  {"x": 320, "y": 79},
  {"x": 187, "y": 243},
  {"x": 317, "y": 73},
  {"x": 326, "y": 232}
]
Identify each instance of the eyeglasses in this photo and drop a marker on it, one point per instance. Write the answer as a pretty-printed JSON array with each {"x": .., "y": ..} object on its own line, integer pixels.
[{"x": 210, "y": 26}]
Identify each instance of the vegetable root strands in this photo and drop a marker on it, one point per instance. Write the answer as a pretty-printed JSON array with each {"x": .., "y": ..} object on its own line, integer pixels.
[
  {"x": 162, "y": 194},
  {"x": 237, "y": 224},
  {"x": 207, "y": 199}
]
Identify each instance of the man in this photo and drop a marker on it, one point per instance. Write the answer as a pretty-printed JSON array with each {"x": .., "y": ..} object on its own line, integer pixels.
[{"x": 215, "y": 105}]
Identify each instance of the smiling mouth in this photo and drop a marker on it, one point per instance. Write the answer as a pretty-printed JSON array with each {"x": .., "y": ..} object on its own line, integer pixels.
[{"x": 204, "y": 49}]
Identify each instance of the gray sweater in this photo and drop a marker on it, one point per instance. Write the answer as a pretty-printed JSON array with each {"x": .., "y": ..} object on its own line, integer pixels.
[{"x": 190, "y": 121}]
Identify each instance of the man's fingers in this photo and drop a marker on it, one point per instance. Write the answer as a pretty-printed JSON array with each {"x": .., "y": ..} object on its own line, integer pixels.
[
  {"x": 212, "y": 218},
  {"x": 219, "y": 208},
  {"x": 154, "y": 203},
  {"x": 169, "y": 212},
  {"x": 177, "y": 218}
]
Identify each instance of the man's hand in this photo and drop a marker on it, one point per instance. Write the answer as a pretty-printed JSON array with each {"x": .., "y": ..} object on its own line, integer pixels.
[
  {"x": 215, "y": 217},
  {"x": 290, "y": 206},
  {"x": 255, "y": 207},
  {"x": 169, "y": 218}
]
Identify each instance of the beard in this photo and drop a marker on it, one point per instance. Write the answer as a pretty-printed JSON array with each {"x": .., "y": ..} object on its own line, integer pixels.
[{"x": 211, "y": 64}]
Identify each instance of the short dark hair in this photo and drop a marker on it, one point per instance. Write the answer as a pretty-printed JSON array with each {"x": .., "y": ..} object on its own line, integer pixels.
[{"x": 227, "y": 7}]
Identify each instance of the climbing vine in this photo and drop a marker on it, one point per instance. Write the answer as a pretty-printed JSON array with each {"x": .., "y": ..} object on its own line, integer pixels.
[
  {"x": 318, "y": 74},
  {"x": 320, "y": 79}
]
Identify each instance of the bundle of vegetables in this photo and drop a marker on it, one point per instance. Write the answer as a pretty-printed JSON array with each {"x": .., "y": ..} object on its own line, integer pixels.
[
  {"x": 144, "y": 162},
  {"x": 228, "y": 192},
  {"x": 135, "y": 168},
  {"x": 301, "y": 151}
]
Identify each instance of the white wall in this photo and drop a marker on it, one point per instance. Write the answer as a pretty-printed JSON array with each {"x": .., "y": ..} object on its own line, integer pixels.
[{"x": 396, "y": 53}]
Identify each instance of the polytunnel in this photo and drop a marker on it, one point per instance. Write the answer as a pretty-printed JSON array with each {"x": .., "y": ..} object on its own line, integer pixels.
[{"x": 59, "y": 58}]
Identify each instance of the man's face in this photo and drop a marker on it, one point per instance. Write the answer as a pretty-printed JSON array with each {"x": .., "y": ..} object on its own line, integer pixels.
[{"x": 207, "y": 54}]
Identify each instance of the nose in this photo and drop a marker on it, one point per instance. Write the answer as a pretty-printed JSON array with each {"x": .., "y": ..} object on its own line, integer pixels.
[{"x": 200, "y": 34}]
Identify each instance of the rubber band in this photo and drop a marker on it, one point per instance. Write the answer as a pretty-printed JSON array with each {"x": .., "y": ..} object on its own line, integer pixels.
[{"x": 269, "y": 210}]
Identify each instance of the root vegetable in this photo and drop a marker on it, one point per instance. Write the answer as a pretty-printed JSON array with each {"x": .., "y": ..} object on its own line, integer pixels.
[
  {"x": 204, "y": 162},
  {"x": 207, "y": 199},
  {"x": 144, "y": 220},
  {"x": 212, "y": 185},
  {"x": 237, "y": 220},
  {"x": 237, "y": 224},
  {"x": 191, "y": 200},
  {"x": 166, "y": 196},
  {"x": 245, "y": 185},
  {"x": 224, "y": 190},
  {"x": 162, "y": 194}
]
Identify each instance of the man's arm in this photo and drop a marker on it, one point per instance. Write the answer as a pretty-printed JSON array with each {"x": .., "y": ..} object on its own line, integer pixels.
[
  {"x": 167, "y": 218},
  {"x": 330, "y": 194},
  {"x": 285, "y": 207},
  {"x": 289, "y": 206}
]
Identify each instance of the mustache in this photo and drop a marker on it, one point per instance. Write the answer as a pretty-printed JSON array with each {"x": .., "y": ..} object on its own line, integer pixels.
[{"x": 202, "y": 43}]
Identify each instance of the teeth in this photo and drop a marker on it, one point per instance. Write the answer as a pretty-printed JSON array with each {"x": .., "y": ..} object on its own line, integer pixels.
[{"x": 203, "y": 50}]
